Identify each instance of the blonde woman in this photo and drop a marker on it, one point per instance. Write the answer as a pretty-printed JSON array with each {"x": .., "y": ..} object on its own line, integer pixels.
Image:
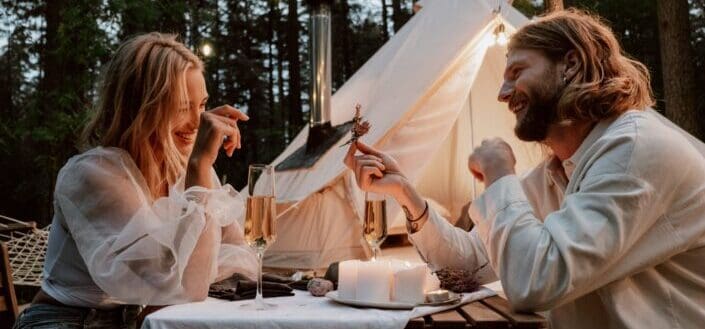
[{"x": 140, "y": 218}]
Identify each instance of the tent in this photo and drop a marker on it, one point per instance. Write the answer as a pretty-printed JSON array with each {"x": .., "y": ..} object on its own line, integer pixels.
[{"x": 430, "y": 96}]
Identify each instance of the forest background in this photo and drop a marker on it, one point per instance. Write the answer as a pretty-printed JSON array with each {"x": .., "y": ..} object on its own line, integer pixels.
[{"x": 52, "y": 53}]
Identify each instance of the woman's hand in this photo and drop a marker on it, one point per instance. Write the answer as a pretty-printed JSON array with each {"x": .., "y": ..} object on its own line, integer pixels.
[{"x": 217, "y": 128}]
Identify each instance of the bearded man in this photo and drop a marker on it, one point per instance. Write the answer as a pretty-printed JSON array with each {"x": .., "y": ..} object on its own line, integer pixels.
[{"x": 609, "y": 231}]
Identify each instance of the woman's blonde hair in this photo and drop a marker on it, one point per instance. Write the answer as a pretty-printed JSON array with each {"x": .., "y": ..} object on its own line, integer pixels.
[
  {"x": 142, "y": 89},
  {"x": 607, "y": 83}
]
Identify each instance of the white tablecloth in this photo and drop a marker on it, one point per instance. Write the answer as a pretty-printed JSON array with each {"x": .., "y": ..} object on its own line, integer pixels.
[{"x": 299, "y": 311}]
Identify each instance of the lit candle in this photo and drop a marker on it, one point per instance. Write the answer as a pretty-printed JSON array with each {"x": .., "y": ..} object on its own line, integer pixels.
[
  {"x": 437, "y": 296},
  {"x": 374, "y": 281}
]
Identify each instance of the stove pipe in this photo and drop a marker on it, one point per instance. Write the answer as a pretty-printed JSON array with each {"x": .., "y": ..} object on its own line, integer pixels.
[{"x": 321, "y": 81}]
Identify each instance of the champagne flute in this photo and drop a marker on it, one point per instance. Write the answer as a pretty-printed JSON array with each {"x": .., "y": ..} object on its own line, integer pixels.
[
  {"x": 260, "y": 229},
  {"x": 374, "y": 228}
]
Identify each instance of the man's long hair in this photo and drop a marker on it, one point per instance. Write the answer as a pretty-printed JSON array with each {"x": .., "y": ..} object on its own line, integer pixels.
[{"x": 607, "y": 83}]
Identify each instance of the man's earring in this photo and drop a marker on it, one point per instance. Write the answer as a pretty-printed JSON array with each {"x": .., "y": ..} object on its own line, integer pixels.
[{"x": 565, "y": 79}]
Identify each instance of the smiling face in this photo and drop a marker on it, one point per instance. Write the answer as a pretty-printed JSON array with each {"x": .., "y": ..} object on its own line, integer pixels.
[
  {"x": 185, "y": 123},
  {"x": 532, "y": 88}
]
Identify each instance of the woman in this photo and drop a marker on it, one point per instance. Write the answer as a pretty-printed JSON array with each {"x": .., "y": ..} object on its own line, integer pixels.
[{"x": 140, "y": 218}]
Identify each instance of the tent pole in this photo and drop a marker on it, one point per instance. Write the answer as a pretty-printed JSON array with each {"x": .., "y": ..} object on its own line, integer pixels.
[{"x": 472, "y": 142}]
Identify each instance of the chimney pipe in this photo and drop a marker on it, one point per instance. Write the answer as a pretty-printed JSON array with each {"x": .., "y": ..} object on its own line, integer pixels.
[
  {"x": 322, "y": 136},
  {"x": 321, "y": 81}
]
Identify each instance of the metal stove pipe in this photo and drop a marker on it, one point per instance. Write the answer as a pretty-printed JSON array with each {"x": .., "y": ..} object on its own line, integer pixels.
[{"x": 321, "y": 81}]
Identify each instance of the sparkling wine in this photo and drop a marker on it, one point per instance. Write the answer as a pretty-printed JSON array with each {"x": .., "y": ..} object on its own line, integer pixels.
[
  {"x": 375, "y": 226},
  {"x": 260, "y": 230}
]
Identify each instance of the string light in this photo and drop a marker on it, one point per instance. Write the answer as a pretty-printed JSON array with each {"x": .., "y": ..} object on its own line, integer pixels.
[
  {"x": 500, "y": 35},
  {"x": 206, "y": 49}
]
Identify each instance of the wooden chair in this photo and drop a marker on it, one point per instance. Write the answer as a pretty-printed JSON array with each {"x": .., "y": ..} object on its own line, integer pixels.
[{"x": 8, "y": 301}]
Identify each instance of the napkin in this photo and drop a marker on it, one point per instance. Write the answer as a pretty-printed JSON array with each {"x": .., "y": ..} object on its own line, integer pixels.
[{"x": 239, "y": 287}]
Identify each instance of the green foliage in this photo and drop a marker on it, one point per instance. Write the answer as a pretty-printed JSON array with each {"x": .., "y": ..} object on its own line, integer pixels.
[
  {"x": 528, "y": 7},
  {"x": 697, "y": 21},
  {"x": 45, "y": 113}
]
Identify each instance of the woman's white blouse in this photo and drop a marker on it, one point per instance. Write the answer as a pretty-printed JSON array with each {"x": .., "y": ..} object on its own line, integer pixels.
[{"x": 110, "y": 243}]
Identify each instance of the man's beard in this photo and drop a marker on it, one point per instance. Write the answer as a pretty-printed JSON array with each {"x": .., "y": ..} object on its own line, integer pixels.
[{"x": 539, "y": 115}]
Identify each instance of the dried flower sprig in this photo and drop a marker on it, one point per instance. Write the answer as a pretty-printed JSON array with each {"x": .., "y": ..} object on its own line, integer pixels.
[
  {"x": 360, "y": 127},
  {"x": 458, "y": 280}
]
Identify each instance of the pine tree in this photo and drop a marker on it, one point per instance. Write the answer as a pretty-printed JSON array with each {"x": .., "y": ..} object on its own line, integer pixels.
[
  {"x": 677, "y": 59},
  {"x": 553, "y": 5}
]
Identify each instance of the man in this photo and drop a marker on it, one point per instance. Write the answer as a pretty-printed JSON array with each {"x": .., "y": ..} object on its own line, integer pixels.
[{"x": 609, "y": 231}]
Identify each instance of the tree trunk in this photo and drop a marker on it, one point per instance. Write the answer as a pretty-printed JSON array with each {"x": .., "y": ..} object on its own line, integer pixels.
[
  {"x": 216, "y": 62},
  {"x": 195, "y": 7},
  {"x": 6, "y": 80},
  {"x": 677, "y": 63},
  {"x": 142, "y": 16},
  {"x": 347, "y": 44},
  {"x": 67, "y": 60},
  {"x": 281, "y": 51},
  {"x": 397, "y": 15},
  {"x": 273, "y": 23},
  {"x": 385, "y": 20},
  {"x": 50, "y": 61},
  {"x": 553, "y": 5},
  {"x": 295, "y": 113}
]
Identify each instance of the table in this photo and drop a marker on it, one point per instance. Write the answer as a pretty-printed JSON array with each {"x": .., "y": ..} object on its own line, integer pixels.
[
  {"x": 305, "y": 311},
  {"x": 492, "y": 312}
]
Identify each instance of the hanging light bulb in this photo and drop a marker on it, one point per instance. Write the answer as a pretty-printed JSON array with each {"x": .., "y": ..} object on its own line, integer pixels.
[
  {"x": 206, "y": 49},
  {"x": 500, "y": 35}
]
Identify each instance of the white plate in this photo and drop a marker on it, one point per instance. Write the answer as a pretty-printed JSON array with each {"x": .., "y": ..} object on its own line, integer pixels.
[{"x": 453, "y": 298}]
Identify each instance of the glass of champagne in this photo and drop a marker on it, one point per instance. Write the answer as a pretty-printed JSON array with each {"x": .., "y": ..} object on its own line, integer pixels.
[
  {"x": 374, "y": 229},
  {"x": 260, "y": 228}
]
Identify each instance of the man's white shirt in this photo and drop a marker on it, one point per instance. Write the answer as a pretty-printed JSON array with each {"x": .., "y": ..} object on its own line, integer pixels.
[{"x": 612, "y": 237}]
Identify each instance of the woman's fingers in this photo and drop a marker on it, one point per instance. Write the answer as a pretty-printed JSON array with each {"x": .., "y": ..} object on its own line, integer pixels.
[
  {"x": 226, "y": 120},
  {"x": 232, "y": 123},
  {"x": 228, "y": 146},
  {"x": 229, "y": 136},
  {"x": 230, "y": 112},
  {"x": 219, "y": 127}
]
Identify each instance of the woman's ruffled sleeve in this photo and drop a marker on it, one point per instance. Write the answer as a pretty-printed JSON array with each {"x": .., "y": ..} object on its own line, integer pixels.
[{"x": 136, "y": 250}]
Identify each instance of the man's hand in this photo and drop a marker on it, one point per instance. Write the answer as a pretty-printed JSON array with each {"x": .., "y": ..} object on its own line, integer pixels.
[
  {"x": 492, "y": 160},
  {"x": 378, "y": 172},
  {"x": 374, "y": 171}
]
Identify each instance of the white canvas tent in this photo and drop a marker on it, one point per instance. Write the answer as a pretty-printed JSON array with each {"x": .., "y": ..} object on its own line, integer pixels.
[{"x": 430, "y": 96}]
